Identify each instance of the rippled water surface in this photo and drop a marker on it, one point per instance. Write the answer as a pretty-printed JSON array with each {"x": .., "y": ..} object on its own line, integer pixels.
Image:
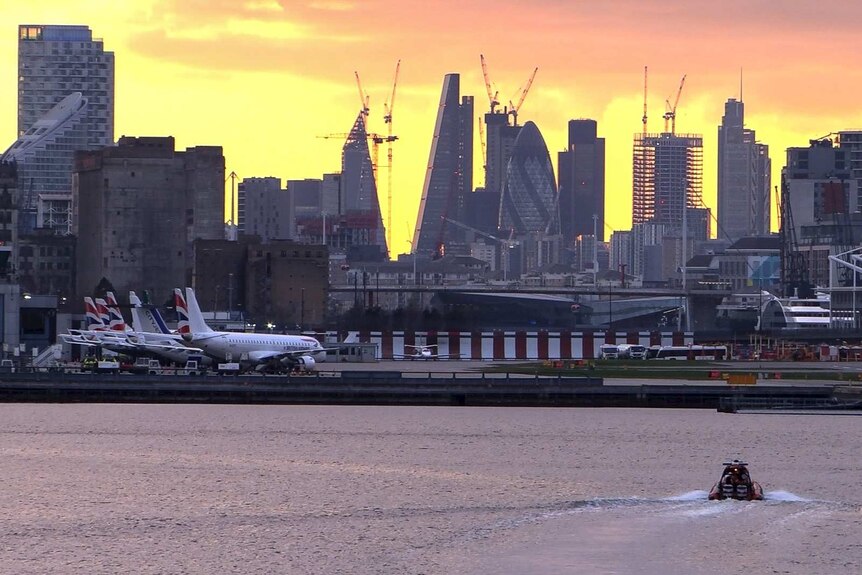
[{"x": 282, "y": 489}]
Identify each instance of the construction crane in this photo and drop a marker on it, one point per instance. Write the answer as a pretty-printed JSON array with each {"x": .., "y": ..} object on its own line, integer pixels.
[
  {"x": 670, "y": 114},
  {"x": 363, "y": 97},
  {"x": 644, "y": 119},
  {"x": 376, "y": 140},
  {"x": 387, "y": 119},
  {"x": 506, "y": 244},
  {"x": 794, "y": 272},
  {"x": 513, "y": 108},
  {"x": 492, "y": 96}
]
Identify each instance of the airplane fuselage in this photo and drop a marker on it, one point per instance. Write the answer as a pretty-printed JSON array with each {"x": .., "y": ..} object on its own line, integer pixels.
[{"x": 254, "y": 347}]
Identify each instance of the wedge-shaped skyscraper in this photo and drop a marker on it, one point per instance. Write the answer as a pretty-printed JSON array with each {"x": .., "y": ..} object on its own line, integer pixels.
[{"x": 449, "y": 178}]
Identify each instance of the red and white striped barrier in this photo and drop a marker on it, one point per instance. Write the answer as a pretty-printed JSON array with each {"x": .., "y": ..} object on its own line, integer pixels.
[{"x": 503, "y": 345}]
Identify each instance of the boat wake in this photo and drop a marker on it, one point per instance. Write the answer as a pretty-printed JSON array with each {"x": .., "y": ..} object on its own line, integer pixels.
[{"x": 784, "y": 496}]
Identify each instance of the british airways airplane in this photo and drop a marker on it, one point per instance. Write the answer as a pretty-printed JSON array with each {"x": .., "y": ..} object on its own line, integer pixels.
[{"x": 258, "y": 349}]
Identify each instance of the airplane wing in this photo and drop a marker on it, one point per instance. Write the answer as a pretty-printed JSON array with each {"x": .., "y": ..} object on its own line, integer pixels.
[{"x": 165, "y": 346}]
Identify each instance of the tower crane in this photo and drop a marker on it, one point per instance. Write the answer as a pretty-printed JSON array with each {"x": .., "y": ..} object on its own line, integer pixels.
[
  {"x": 670, "y": 114},
  {"x": 363, "y": 97},
  {"x": 644, "y": 119},
  {"x": 513, "y": 108},
  {"x": 492, "y": 96},
  {"x": 387, "y": 119},
  {"x": 505, "y": 244}
]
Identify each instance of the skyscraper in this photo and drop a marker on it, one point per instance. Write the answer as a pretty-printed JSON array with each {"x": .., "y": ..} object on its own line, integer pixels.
[
  {"x": 54, "y": 64},
  {"x": 529, "y": 201},
  {"x": 582, "y": 182},
  {"x": 668, "y": 173},
  {"x": 449, "y": 177},
  {"x": 359, "y": 187},
  {"x": 743, "y": 177}
]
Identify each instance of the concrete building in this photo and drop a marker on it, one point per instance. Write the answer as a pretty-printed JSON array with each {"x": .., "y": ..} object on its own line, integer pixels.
[
  {"x": 819, "y": 196},
  {"x": 55, "y": 63},
  {"x": 582, "y": 182},
  {"x": 744, "y": 180},
  {"x": 138, "y": 208},
  {"x": 286, "y": 285},
  {"x": 264, "y": 209},
  {"x": 851, "y": 141},
  {"x": 449, "y": 177}
]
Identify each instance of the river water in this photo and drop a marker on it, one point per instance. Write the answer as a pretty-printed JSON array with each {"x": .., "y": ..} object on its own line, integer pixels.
[{"x": 422, "y": 490}]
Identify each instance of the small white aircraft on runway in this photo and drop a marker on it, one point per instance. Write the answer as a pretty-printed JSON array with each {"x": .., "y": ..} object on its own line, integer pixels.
[{"x": 421, "y": 352}]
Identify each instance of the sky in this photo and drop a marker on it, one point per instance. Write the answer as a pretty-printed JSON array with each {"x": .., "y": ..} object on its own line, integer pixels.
[{"x": 268, "y": 79}]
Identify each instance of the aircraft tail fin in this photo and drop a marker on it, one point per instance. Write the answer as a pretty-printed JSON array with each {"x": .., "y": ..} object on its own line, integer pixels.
[
  {"x": 183, "y": 325},
  {"x": 116, "y": 322},
  {"x": 94, "y": 320},
  {"x": 196, "y": 318}
]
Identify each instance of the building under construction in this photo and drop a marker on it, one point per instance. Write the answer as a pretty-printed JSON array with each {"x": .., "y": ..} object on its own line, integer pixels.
[{"x": 668, "y": 173}]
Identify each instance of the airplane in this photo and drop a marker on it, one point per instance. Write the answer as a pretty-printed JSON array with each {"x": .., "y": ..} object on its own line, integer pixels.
[
  {"x": 258, "y": 349},
  {"x": 422, "y": 352},
  {"x": 107, "y": 329},
  {"x": 152, "y": 334}
]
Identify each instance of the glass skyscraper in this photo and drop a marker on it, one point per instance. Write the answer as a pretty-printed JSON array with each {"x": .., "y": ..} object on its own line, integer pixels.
[
  {"x": 743, "y": 177},
  {"x": 449, "y": 178},
  {"x": 529, "y": 201}
]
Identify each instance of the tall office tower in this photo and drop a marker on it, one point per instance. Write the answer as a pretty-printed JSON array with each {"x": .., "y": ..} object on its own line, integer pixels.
[
  {"x": 139, "y": 207},
  {"x": 743, "y": 177},
  {"x": 449, "y": 178},
  {"x": 621, "y": 248},
  {"x": 582, "y": 182},
  {"x": 55, "y": 62},
  {"x": 264, "y": 209},
  {"x": 359, "y": 188},
  {"x": 501, "y": 139},
  {"x": 851, "y": 140},
  {"x": 529, "y": 204},
  {"x": 668, "y": 173}
]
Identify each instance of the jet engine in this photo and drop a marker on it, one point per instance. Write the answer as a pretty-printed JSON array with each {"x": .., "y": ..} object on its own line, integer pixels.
[{"x": 305, "y": 363}]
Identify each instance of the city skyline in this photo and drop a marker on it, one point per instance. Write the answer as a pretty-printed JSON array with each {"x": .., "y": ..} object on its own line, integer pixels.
[{"x": 264, "y": 81}]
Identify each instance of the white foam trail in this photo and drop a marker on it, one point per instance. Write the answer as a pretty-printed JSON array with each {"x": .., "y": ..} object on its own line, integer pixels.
[
  {"x": 782, "y": 496},
  {"x": 697, "y": 495}
]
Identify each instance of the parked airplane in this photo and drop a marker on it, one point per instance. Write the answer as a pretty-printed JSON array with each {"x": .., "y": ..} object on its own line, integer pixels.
[
  {"x": 152, "y": 335},
  {"x": 107, "y": 329},
  {"x": 258, "y": 349},
  {"x": 421, "y": 352}
]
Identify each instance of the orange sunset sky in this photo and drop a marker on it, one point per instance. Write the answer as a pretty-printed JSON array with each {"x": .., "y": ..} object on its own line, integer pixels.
[{"x": 265, "y": 78}]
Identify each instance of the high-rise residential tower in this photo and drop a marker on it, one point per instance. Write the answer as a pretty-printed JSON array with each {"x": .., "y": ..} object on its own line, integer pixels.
[
  {"x": 55, "y": 63},
  {"x": 582, "y": 182},
  {"x": 449, "y": 178},
  {"x": 743, "y": 177},
  {"x": 668, "y": 174}
]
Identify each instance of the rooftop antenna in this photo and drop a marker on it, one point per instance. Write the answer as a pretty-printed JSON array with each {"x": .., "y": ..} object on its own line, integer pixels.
[{"x": 644, "y": 119}]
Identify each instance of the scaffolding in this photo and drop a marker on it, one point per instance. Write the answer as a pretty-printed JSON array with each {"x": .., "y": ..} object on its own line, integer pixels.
[{"x": 667, "y": 173}]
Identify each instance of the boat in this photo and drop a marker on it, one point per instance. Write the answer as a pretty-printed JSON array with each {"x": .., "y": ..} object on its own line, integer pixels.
[
  {"x": 736, "y": 483},
  {"x": 740, "y": 312}
]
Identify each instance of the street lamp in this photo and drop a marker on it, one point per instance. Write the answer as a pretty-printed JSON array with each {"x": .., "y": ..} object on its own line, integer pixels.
[{"x": 270, "y": 326}]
